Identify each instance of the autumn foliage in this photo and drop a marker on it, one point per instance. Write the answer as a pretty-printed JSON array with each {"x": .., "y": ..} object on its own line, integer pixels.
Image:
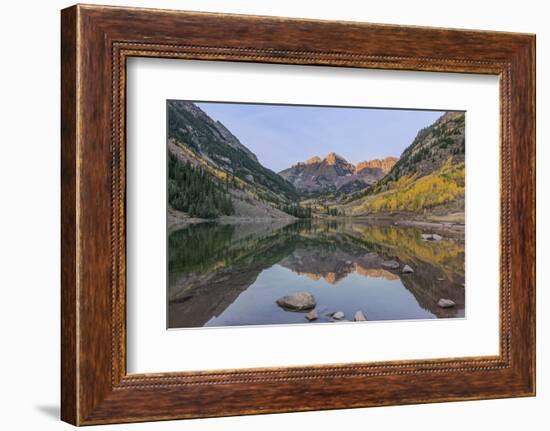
[{"x": 413, "y": 194}]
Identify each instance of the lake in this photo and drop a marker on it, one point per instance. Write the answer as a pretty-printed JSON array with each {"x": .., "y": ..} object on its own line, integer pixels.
[{"x": 233, "y": 274}]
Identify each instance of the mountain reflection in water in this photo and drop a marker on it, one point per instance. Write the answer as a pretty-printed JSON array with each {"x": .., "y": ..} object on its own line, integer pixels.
[{"x": 232, "y": 274}]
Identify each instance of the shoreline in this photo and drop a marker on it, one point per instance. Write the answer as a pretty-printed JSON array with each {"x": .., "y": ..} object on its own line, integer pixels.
[{"x": 178, "y": 221}]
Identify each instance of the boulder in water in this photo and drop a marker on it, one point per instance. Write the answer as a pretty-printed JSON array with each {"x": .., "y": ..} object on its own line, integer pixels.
[
  {"x": 359, "y": 317},
  {"x": 446, "y": 303},
  {"x": 407, "y": 270},
  {"x": 297, "y": 301},
  {"x": 390, "y": 264},
  {"x": 312, "y": 315},
  {"x": 339, "y": 315}
]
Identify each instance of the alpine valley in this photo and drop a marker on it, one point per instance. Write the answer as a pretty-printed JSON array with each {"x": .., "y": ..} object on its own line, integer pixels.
[
  {"x": 323, "y": 240},
  {"x": 213, "y": 176}
]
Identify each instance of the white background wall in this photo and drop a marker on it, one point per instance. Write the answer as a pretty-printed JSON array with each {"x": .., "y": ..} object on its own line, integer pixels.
[{"x": 29, "y": 226}]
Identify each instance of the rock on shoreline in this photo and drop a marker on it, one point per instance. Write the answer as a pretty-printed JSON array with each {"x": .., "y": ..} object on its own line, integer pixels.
[{"x": 431, "y": 237}]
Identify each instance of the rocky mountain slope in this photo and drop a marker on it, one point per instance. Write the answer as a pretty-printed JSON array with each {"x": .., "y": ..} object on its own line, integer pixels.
[
  {"x": 213, "y": 175},
  {"x": 383, "y": 165},
  {"x": 190, "y": 127},
  {"x": 432, "y": 147},
  {"x": 333, "y": 172},
  {"x": 429, "y": 174}
]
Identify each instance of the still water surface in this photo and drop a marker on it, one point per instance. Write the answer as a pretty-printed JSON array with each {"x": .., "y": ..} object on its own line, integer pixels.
[{"x": 232, "y": 274}]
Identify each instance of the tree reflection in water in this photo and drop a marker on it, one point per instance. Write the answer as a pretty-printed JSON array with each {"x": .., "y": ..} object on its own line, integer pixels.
[{"x": 232, "y": 274}]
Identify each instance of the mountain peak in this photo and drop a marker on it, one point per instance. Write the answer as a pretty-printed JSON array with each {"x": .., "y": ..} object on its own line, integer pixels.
[
  {"x": 332, "y": 158},
  {"x": 313, "y": 160},
  {"x": 333, "y": 172},
  {"x": 384, "y": 164}
]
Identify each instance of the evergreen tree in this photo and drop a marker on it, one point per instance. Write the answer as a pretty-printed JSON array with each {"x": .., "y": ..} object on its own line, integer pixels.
[
  {"x": 297, "y": 210},
  {"x": 191, "y": 190}
]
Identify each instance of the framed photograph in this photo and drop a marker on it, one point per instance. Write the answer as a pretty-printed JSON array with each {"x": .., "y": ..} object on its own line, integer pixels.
[{"x": 266, "y": 215}]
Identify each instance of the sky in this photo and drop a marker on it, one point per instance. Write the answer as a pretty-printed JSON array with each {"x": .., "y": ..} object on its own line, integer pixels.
[{"x": 282, "y": 135}]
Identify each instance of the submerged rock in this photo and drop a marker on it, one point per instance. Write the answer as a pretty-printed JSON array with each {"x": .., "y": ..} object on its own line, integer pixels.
[
  {"x": 312, "y": 315},
  {"x": 390, "y": 264},
  {"x": 446, "y": 303},
  {"x": 359, "y": 317},
  {"x": 339, "y": 315},
  {"x": 407, "y": 269},
  {"x": 431, "y": 237},
  {"x": 297, "y": 301}
]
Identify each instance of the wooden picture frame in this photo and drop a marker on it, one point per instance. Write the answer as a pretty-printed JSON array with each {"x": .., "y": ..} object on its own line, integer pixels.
[{"x": 96, "y": 41}]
